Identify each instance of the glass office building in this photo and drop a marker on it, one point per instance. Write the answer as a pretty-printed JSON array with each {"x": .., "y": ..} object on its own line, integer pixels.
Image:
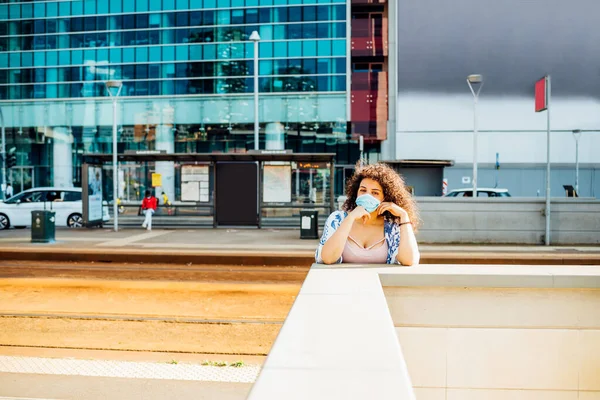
[{"x": 187, "y": 72}]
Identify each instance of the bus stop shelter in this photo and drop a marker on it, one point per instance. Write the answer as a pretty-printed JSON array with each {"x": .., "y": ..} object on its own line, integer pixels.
[{"x": 255, "y": 189}]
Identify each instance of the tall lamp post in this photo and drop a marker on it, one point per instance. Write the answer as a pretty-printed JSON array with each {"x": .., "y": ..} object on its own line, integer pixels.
[
  {"x": 577, "y": 135},
  {"x": 255, "y": 37},
  {"x": 3, "y": 155},
  {"x": 114, "y": 90},
  {"x": 475, "y": 83}
]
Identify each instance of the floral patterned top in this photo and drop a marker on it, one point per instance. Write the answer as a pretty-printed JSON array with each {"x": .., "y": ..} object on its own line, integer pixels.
[{"x": 391, "y": 232}]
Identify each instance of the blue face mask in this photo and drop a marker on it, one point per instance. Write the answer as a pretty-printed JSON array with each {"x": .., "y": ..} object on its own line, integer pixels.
[{"x": 368, "y": 202}]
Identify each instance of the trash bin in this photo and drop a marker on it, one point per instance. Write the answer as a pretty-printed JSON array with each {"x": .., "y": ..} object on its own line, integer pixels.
[
  {"x": 309, "y": 224},
  {"x": 43, "y": 226}
]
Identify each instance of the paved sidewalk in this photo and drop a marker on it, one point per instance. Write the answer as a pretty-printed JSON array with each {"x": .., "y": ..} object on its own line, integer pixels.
[
  {"x": 56, "y": 378},
  {"x": 250, "y": 247}
]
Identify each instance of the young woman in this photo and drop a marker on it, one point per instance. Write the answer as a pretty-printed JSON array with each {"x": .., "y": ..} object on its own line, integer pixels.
[
  {"x": 149, "y": 205},
  {"x": 377, "y": 223}
]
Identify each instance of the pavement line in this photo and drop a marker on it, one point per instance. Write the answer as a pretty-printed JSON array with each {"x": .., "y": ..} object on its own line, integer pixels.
[
  {"x": 25, "y": 398},
  {"x": 27, "y": 240},
  {"x": 132, "y": 239},
  {"x": 139, "y": 318},
  {"x": 208, "y": 246},
  {"x": 128, "y": 369}
]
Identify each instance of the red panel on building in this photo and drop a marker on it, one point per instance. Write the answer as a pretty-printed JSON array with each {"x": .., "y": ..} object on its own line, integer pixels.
[{"x": 541, "y": 94}]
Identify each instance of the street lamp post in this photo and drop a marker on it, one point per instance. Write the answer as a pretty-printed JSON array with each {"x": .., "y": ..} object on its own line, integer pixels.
[
  {"x": 3, "y": 155},
  {"x": 577, "y": 135},
  {"x": 255, "y": 37},
  {"x": 114, "y": 89},
  {"x": 475, "y": 83}
]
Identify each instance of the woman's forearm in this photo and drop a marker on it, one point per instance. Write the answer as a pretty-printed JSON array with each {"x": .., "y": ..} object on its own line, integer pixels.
[
  {"x": 334, "y": 246},
  {"x": 408, "y": 251}
]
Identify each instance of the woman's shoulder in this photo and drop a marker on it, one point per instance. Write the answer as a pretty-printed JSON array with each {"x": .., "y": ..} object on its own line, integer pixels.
[{"x": 337, "y": 215}]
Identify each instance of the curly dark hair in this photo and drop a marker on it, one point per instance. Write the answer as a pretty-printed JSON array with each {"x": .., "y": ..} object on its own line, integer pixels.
[{"x": 394, "y": 190}]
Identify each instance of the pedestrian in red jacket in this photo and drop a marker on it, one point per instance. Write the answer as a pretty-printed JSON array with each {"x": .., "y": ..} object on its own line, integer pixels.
[{"x": 149, "y": 205}]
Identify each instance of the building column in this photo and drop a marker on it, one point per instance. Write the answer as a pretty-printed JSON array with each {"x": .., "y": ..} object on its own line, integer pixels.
[
  {"x": 62, "y": 166},
  {"x": 165, "y": 140}
]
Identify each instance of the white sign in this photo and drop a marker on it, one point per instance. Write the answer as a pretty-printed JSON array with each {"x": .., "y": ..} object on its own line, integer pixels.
[
  {"x": 195, "y": 183},
  {"x": 305, "y": 222},
  {"x": 466, "y": 180},
  {"x": 277, "y": 184},
  {"x": 94, "y": 193}
]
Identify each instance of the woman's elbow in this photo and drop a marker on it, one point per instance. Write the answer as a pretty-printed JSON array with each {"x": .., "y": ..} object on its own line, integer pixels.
[{"x": 410, "y": 261}]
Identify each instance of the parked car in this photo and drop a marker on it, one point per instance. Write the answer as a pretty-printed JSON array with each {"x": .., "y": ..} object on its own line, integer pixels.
[
  {"x": 481, "y": 192},
  {"x": 65, "y": 202}
]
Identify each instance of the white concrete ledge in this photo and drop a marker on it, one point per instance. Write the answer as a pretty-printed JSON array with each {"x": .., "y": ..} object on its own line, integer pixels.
[{"x": 339, "y": 340}]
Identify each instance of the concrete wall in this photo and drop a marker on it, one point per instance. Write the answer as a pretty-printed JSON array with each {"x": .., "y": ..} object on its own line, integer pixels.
[
  {"x": 467, "y": 343},
  {"x": 440, "y": 44},
  {"x": 511, "y": 220}
]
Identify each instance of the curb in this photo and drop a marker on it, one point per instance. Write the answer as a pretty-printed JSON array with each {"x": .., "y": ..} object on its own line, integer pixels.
[{"x": 294, "y": 258}]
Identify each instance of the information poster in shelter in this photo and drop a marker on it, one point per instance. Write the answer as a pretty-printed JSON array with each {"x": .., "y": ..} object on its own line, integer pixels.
[
  {"x": 195, "y": 183},
  {"x": 277, "y": 184}
]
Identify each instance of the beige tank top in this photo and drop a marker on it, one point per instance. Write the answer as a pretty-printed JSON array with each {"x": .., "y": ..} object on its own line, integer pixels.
[{"x": 356, "y": 254}]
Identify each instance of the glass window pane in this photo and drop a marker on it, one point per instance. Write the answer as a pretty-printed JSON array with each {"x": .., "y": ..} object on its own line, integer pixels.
[
  {"x": 265, "y": 67},
  {"x": 15, "y": 11},
  {"x": 182, "y": 4},
  {"x": 168, "y": 53},
  {"x": 89, "y": 7},
  {"x": 339, "y": 12},
  {"x": 280, "y": 49},
  {"x": 279, "y": 32},
  {"x": 27, "y": 59},
  {"x": 4, "y": 60},
  {"x": 141, "y": 21},
  {"x": 141, "y": 5},
  {"x": 182, "y": 53},
  {"x": 77, "y": 57},
  {"x": 210, "y": 3},
  {"x": 64, "y": 57},
  {"x": 324, "y": 48},
  {"x": 129, "y": 6},
  {"x": 339, "y": 47},
  {"x": 266, "y": 2},
  {"x": 309, "y": 48},
  {"x": 39, "y": 9},
  {"x": 196, "y": 52},
  {"x": 196, "y": 4},
  {"x": 265, "y": 50},
  {"x": 77, "y": 7},
  {"x": 323, "y": 13},
  {"x": 295, "y": 49},
  {"x": 182, "y": 19},
  {"x": 141, "y": 54},
  {"x": 168, "y": 4},
  {"x": 128, "y": 55},
  {"x": 155, "y": 5},
  {"x": 210, "y": 51},
  {"x": 340, "y": 65},
  {"x": 295, "y": 31},
  {"x": 115, "y": 55},
  {"x": 154, "y": 53}
]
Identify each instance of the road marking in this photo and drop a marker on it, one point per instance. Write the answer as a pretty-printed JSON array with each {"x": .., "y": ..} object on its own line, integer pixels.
[
  {"x": 25, "y": 398},
  {"x": 60, "y": 239},
  {"x": 128, "y": 369},
  {"x": 132, "y": 239},
  {"x": 214, "y": 246}
]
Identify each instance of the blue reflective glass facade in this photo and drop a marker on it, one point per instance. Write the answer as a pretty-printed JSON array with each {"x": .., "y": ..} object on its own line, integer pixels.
[
  {"x": 68, "y": 49},
  {"x": 187, "y": 72}
]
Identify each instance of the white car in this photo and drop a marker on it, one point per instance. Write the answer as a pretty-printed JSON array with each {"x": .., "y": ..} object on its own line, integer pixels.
[
  {"x": 481, "y": 192},
  {"x": 65, "y": 202}
]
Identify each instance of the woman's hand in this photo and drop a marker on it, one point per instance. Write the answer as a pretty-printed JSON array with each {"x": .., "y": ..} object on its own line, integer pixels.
[
  {"x": 359, "y": 213},
  {"x": 394, "y": 209}
]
